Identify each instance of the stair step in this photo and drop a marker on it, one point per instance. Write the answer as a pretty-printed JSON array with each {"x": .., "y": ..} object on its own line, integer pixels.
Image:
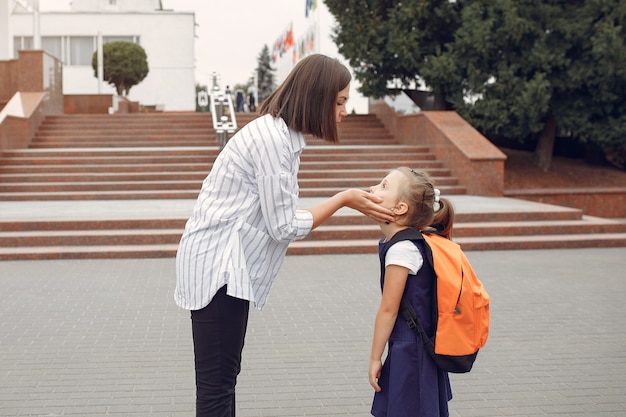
[
  {"x": 43, "y": 187},
  {"x": 440, "y": 176},
  {"x": 207, "y": 150},
  {"x": 81, "y": 225},
  {"x": 326, "y": 247},
  {"x": 90, "y": 237},
  {"x": 121, "y": 145},
  {"x": 537, "y": 227},
  {"x": 100, "y": 195},
  {"x": 108, "y": 152},
  {"x": 316, "y": 247},
  {"x": 479, "y": 229},
  {"x": 350, "y": 159},
  {"x": 172, "y": 180},
  {"x": 198, "y": 165},
  {"x": 566, "y": 241},
  {"x": 179, "y": 190},
  {"x": 330, "y": 191},
  {"x": 343, "y": 222},
  {"x": 89, "y": 252},
  {"x": 362, "y": 159}
]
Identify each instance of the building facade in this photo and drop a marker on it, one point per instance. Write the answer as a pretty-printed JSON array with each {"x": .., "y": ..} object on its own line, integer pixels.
[{"x": 72, "y": 36}]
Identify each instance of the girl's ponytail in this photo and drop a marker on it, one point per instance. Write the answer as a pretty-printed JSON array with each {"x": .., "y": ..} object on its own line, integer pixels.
[{"x": 444, "y": 218}]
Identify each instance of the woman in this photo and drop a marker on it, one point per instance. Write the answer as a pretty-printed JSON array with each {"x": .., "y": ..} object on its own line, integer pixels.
[{"x": 246, "y": 215}]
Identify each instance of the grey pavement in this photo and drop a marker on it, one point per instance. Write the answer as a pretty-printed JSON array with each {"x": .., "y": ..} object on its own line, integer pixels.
[{"x": 104, "y": 338}]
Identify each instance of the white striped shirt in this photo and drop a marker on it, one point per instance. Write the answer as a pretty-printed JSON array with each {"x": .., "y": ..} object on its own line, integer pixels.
[{"x": 245, "y": 217}]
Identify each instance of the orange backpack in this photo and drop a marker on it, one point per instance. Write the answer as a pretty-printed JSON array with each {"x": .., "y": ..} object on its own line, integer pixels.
[{"x": 461, "y": 303}]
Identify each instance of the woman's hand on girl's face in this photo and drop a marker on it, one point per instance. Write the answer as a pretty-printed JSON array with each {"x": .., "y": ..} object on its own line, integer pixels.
[{"x": 369, "y": 205}]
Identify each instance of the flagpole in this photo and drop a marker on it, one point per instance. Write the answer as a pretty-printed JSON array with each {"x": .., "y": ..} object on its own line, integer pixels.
[{"x": 318, "y": 29}]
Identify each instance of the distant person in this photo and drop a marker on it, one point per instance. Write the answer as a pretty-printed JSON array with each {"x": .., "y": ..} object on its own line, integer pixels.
[
  {"x": 252, "y": 99},
  {"x": 409, "y": 383},
  {"x": 240, "y": 99},
  {"x": 246, "y": 215}
]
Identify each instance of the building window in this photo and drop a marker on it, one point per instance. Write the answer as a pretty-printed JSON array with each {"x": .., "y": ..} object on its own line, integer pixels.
[
  {"x": 70, "y": 50},
  {"x": 54, "y": 46},
  {"x": 22, "y": 42},
  {"x": 81, "y": 50},
  {"x": 107, "y": 39}
]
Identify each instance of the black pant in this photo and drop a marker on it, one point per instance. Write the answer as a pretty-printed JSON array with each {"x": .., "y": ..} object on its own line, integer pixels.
[{"x": 219, "y": 330}]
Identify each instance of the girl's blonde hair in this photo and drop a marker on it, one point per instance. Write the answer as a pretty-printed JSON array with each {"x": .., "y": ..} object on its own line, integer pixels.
[{"x": 419, "y": 194}]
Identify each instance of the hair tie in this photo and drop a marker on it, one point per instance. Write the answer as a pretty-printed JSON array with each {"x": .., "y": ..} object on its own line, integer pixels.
[{"x": 436, "y": 204}]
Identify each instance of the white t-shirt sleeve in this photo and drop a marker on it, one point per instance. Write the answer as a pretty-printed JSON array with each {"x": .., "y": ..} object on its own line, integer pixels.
[{"x": 406, "y": 254}]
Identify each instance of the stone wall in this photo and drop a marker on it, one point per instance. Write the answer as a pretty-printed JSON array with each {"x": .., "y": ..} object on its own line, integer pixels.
[
  {"x": 471, "y": 158},
  {"x": 599, "y": 202}
]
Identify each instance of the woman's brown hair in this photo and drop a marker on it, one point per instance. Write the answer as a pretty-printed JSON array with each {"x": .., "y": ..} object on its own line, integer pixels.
[{"x": 307, "y": 99}]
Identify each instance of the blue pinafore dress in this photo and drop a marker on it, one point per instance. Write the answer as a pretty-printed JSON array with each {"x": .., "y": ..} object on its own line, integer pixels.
[{"x": 411, "y": 384}]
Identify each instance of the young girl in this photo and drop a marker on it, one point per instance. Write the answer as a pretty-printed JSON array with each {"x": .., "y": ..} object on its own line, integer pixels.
[
  {"x": 246, "y": 215},
  {"x": 409, "y": 384}
]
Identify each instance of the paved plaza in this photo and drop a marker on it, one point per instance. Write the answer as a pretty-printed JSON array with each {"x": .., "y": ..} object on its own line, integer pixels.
[{"x": 104, "y": 337}]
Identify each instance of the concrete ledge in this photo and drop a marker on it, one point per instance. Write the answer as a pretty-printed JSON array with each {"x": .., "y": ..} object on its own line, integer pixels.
[
  {"x": 19, "y": 120},
  {"x": 87, "y": 103},
  {"x": 472, "y": 158},
  {"x": 33, "y": 86},
  {"x": 600, "y": 202},
  {"x": 103, "y": 103}
]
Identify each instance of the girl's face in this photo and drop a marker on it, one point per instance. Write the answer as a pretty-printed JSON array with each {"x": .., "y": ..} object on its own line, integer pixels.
[
  {"x": 389, "y": 189},
  {"x": 342, "y": 99}
]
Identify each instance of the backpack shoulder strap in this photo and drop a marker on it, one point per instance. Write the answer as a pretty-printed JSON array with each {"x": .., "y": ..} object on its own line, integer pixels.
[
  {"x": 410, "y": 233},
  {"x": 406, "y": 309}
]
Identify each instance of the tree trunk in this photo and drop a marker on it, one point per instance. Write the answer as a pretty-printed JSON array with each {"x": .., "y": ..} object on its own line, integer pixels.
[
  {"x": 439, "y": 102},
  {"x": 545, "y": 147}
]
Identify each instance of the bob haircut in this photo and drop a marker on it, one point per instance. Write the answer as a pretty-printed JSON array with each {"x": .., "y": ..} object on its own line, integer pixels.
[{"x": 307, "y": 99}]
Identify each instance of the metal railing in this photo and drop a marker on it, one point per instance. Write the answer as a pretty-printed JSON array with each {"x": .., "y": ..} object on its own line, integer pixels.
[{"x": 222, "y": 113}]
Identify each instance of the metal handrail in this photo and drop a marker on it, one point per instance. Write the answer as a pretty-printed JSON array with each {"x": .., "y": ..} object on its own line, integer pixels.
[{"x": 222, "y": 113}]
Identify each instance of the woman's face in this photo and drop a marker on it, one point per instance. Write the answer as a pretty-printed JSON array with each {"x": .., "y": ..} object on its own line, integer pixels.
[{"x": 342, "y": 99}]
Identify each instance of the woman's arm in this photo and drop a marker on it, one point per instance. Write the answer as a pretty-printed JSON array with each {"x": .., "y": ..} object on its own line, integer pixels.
[
  {"x": 395, "y": 281},
  {"x": 356, "y": 199}
]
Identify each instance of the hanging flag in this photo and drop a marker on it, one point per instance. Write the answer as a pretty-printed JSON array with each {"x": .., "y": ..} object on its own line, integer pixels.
[{"x": 289, "y": 37}]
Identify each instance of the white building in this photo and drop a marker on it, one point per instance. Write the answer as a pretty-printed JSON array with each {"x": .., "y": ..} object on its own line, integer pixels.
[{"x": 72, "y": 36}]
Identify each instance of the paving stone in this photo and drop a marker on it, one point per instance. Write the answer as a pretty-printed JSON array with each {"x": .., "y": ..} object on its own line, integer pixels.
[{"x": 103, "y": 337}]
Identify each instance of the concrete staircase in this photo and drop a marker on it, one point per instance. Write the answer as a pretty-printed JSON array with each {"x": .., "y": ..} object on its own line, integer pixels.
[
  {"x": 156, "y": 156},
  {"x": 93, "y": 161},
  {"x": 125, "y": 130}
]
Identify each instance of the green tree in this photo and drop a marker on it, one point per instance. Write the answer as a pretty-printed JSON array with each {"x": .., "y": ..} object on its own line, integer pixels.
[
  {"x": 265, "y": 74},
  {"x": 399, "y": 43},
  {"x": 605, "y": 79},
  {"x": 539, "y": 69},
  {"x": 528, "y": 70},
  {"x": 125, "y": 65}
]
